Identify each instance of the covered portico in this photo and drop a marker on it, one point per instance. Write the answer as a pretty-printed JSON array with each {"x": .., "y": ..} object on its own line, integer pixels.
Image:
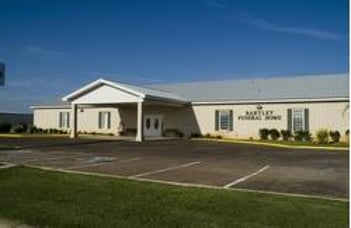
[{"x": 104, "y": 93}]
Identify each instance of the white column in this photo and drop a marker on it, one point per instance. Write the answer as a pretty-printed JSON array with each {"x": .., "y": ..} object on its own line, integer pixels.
[
  {"x": 140, "y": 135},
  {"x": 74, "y": 121}
]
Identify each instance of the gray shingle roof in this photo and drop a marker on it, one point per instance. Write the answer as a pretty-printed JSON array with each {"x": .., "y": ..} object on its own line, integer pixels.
[
  {"x": 297, "y": 87},
  {"x": 300, "y": 87},
  {"x": 153, "y": 92}
]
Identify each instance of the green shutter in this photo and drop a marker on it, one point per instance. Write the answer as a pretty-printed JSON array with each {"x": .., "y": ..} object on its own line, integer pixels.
[
  {"x": 60, "y": 119},
  {"x": 307, "y": 120},
  {"x": 68, "y": 123},
  {"x": 109, "y": 120},
  {"x": 289, "y": 119},
  {"x": 100, "y": 120},
  {"x": 230, "y": 120},
  {"x": 216, "y": 120}
]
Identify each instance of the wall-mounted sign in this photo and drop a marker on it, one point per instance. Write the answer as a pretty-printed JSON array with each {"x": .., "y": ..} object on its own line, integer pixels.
[{"x": 260, "y": 115}]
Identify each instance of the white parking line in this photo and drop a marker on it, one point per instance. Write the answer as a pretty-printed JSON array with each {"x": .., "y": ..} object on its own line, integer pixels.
[
  {"x": 246, "y": 177},
  {"x": 167, "y": 169},
  {"x": 56, "y": 158},
  {"x": 103, "y": 163},
  {"x": 130, "y": 160}
]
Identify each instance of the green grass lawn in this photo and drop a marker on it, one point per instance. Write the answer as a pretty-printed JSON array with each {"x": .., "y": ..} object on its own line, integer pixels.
[
  {"x": 46, "y": 198},
  {"x": 26, "y": 135}
]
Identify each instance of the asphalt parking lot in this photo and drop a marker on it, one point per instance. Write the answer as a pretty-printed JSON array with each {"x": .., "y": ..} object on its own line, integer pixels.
[{"x": 312, "y": 172}]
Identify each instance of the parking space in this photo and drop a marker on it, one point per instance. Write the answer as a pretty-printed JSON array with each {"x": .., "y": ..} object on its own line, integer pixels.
[{"x": 313, "y": 172}]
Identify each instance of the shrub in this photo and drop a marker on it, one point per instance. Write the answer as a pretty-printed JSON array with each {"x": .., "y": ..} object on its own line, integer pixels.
[
  {"x": 18, "y": 128},
  {"x": 195, "y": 135},
  {"x": 302, "y": 136},
  {"x": 54, "y": 131},
  {"x": 173, "y": 133},
  {"x": 347, "y": 134},
  {"x": 208, "y": 135},
  {"x": 180, "y": 134},
  {"x": 335, "y": 136},
  {"x": 39, "y": 130},
  {"x": 264, "y": 132},
  {"x": 5, "y": 127},
  {"x": 218, "y": 137},
  {"x": 130, "y": 132},
  {"x": 274, "y": 134},
  {"x": 322, "y": 136},
  {"x": 32, "y": 129},
  {"x": 286, "y": 134}
]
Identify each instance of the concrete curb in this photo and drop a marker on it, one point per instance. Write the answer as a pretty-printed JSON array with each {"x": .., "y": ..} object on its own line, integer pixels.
[
  {"x": 273, "y": 144},
  {"x": 6, "y": 165},
  {"x": 185, "y": 184}
]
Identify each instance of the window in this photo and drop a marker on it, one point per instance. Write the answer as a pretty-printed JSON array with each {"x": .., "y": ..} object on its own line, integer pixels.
[
  {"x": 148, "y": 123},
  {"x": 298, "y": 120},
  {"x": 64, "y": 120},
  {"x": 104, "y": 120},
  {"x": 223, "y": 120}
]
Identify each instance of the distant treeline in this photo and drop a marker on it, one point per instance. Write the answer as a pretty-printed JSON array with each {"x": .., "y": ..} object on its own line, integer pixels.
[{"x": 15, "y": 118}]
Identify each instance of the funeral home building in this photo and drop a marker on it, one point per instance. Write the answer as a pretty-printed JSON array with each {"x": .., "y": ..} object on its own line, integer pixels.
[{"x": 232, "y": 108}]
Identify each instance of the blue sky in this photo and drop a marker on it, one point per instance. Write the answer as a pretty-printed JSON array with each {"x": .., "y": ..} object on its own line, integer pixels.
[{"x": 53, "y": 47}]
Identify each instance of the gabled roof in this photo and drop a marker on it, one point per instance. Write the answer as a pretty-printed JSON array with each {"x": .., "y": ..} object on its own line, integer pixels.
[
  {"x": 309, "y": 87},
  {"x": 142, "y": 92},
  {"x": 278, "y": 88}
]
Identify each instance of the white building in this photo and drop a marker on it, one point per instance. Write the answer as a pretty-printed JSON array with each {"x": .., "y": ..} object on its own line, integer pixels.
[{"x": 235, "y": 108}]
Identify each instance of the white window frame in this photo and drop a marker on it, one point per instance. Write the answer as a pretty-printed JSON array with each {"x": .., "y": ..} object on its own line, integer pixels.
[
  {"x": 302, "y": 110},
  {"x": 64, "y": 119},
  {"x": 220, "y": 114},
  {"x": 105, "y": 120}
]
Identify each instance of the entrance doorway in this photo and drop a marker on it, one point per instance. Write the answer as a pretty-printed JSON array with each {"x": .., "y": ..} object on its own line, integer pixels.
[{"x": 153, "y": 125}]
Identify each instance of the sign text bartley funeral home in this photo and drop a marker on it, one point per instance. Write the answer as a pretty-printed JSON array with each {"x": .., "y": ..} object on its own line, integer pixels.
[{"x": 260, "y": 115}]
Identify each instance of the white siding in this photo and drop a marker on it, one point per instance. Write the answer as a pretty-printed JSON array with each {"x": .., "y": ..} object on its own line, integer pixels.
[
  {"x": 201, "y": 118},
  {"x": 333, "y": 116},
  {"x": 87, "y": 119},
  {"x": 48, "y": 118},
  {"x": 106, "y": 95}
]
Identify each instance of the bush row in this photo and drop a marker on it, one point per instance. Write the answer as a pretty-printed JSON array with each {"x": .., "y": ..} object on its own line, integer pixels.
[
  {"x": 28, "y": 129},
  {"x": 274, "y": 134},
  {"x": 208, "y": 135},
  {"x": 323, "y": 136}
]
